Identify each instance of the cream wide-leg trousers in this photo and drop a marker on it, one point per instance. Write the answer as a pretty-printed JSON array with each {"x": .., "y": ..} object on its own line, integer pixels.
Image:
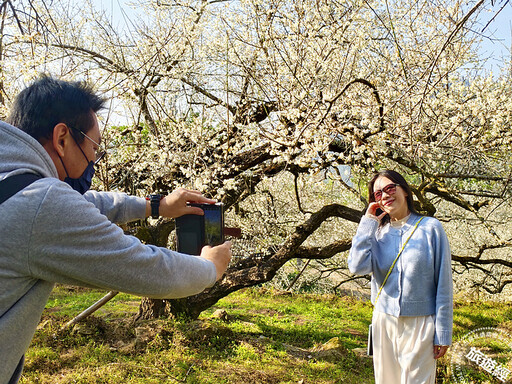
[{"x": 403, "y": 349}]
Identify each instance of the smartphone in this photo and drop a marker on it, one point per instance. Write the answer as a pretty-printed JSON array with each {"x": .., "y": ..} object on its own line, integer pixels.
[
  {"x": 193, "y": 232},
  {"x": 378, "y": 212}
]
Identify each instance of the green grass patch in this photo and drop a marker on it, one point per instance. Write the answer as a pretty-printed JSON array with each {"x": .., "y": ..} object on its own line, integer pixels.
[{"x": 268, "y": 337}]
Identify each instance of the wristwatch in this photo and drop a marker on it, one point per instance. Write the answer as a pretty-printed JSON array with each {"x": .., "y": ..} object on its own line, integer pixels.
[{"x": 154, "y": 201}]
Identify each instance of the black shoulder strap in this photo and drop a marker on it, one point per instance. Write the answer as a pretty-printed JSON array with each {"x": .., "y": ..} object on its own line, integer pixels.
[{"x": 13, "y": 184}]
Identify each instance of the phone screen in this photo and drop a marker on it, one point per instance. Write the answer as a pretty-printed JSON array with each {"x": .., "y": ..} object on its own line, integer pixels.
[{"x": 213, "y": 224}]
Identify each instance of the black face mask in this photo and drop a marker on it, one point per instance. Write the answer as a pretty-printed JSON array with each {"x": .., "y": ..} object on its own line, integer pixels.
[{"x": 83, "y": 183}]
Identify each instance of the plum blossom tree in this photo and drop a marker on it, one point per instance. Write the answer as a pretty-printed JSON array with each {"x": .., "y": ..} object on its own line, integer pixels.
[{"x": 266, "y": 104}]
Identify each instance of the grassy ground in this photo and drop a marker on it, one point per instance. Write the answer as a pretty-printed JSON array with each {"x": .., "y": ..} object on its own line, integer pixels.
[{"x": 267, "y": 337}]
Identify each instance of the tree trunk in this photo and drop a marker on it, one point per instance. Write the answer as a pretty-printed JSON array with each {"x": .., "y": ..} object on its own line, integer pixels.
[
  {"x": 256, "y": 269},
  {"x": 153, "y": 309}
]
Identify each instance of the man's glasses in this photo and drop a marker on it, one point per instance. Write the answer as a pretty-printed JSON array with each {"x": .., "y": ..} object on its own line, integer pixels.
[
  {"x": 390, "y": 189},
  {"x": 100, "y": 152}
]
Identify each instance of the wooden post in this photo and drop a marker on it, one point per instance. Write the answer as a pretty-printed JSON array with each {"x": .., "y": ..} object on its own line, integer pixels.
[{"x": 93, "y": 308}]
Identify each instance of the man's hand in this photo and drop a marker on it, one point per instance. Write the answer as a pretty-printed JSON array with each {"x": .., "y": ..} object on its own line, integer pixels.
[
  {"x": 219, "y": 255},
  {"x": 175, "y": 204},
  {"x": 439, "y": 351}
]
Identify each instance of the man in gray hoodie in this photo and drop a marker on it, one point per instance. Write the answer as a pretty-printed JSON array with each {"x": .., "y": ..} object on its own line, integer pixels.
[{"x": 55, "y": 230}]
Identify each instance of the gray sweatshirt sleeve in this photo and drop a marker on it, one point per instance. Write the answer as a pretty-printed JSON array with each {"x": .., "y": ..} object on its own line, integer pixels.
[
  {"x": 72, "y": 242},
  {"x": 117, "y": 206}
]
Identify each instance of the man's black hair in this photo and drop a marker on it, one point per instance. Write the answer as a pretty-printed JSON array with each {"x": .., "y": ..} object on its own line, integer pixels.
[{"x": 48, "y": 101}]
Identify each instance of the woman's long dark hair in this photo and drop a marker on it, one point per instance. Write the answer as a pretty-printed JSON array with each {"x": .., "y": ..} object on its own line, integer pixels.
[{"x": 397, "y": 178}]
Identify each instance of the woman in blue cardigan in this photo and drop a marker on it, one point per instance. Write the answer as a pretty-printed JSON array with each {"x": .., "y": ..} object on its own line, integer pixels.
[{"x": 412, "y": 294}]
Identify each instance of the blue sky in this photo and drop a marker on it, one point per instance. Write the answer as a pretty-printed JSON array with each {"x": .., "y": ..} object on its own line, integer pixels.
[{"x": 497, "y": 44}]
